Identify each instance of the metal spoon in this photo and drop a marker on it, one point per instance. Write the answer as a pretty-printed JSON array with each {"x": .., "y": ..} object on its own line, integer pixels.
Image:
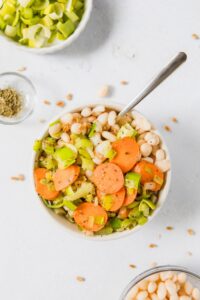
[{"x": 164, "y": 73}]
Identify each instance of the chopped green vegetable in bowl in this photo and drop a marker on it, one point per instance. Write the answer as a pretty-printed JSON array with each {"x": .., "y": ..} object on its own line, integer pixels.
[
  {"x": 97, "y": 177},
  {"x": 43, "y": 23}
]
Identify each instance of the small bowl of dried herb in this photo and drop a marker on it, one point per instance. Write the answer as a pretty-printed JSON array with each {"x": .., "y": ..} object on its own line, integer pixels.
[{"x": 17, "y": 98}]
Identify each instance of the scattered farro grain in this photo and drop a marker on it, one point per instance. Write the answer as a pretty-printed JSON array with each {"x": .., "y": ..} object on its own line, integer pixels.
[
  {"x": 60, "y": 103},
  {"x": 69, "y": 96},
  {"x": 153, "y": 264},
  {"x": 169, "y": 228},
  {"x": 80, "y": 278},
  {"x": 191, "y": 231},
  {"x": 22, "y": 69},
  {"x": 153, "y": 245},
  {"x": 47, "y": 102},
  {"x": 124, "y": 82},
  {"x": 189, "y": 253},
  {"x": 42, "y": 120},
  {"x": 174, "y": 119},
  {"x": 132, "y": 266},
  {"x": 167, "y": 128},
  {"x": 20, "y": 177},
  {"x": 195, "y": 36},
  {"x": 104, "y": 91}
]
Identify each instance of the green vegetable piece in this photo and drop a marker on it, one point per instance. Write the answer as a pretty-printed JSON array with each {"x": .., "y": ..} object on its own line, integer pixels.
[
  {"x": 134, "y": 204},
  {"x": 49, "y": 163},
  {"x": 82, "y": 192},
  {"x": 126, "y": 223},
  {"x": 107, "y": 202},
  {"x": 37, "y": 146},
  {"x": 134, "y": 212},
  {"x": 40, "y": 4},
  {"x": 92, "y": 130},
  {"x": 142, "y": 220},
  {"x": 11, "y": 31},
  {"x": 57, "y": 203},
  {"x": 66, "y": 28},
  {"x": 149, "y": 203},
  {"x": 48, "y": 145},
  {"x": 144, "y": 208},
  {"x": 126, "y": 131},
  {"x": 105, "y": 231},
  {"x": 27, "y": 13},
  {"x": 65, "y": 157},
  {"x": 70, "y": 205},
  {"x": 72, "y": 16},
  {"x": 69, "y": 191},
  {"x": 83, "y": 143},
  {"x": 111, "y": 154},
  {"x": 132, "y": 180},
  {"x": 87, "y": 163},
  {"x": 116, "y": 223}
]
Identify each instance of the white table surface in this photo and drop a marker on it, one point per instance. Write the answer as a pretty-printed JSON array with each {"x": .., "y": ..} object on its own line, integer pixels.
[{"x": 125, "y": 40}]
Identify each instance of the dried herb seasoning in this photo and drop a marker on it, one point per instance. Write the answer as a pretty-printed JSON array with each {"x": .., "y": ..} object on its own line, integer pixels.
[{"x": 10, "y": 102}]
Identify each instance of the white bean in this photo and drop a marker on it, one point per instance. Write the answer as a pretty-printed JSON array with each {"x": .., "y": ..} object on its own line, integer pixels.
[
  {"x": 152, "y": 138},
  {"x": 182, "y": 277},
  {"x": 112, "y": 118},
  {"x": 86, "y": 112},
  {"x": 54, "y": 129},
  {"x": 91, "y": 153},
  {"x": 91, "y": 119},
  {"x": 103, "y": 147},
  {"x": 145, "y": 149},
  {"x": 67, "y": 118},
  {"x": 88, "y": 173},
  {"x": 162, "y": 291},
  {"x": 166, "y": 275},
  {"x": 104, "y": 91},
  {"x": 196, "y": 293},
  {"x": 65, "y": 137},
  {"x": 163, "y": 165},
  {"x": 60, "y": 143},
  {"x": 98, "y": 110},
  {"x": 115, "y": 128},
  {"x": 153, "y": 277},
  {"x": 142, "y": 124},
  {"x": 76, "y": 128},
  {"x": 98, "y": 127},
  {"x": 103, "y": 118},
  {"x": 109, "y": 136},
  {"x": 185, "y": 298},
  {"x": 188, "y": 288},
  {"x": 160, "y": 154},
  {"x": 143, "y": 284},
  {"x": 152, "y": 286},
  {"x": 170, "y": 286},
  {"x": 142, "y": 295},
  {"x": 174, "y": 297},
  {"x": 133, "y": 292},
  {"x": 97, "y": 160},
  {"x": 96, "y": 139},
  {"x": 154, "y": 297},
  {"x": 149, "y": 159}
]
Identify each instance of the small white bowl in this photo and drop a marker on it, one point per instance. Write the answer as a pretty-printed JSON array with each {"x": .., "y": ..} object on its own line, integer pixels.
[
  {"x": 59, "y": 45},
  {"x": 72, "y": 228}
]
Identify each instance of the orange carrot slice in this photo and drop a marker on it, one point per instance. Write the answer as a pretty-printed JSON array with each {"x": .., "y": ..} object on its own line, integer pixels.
[
  {"x": 64, "y": 178},
  {"x": 90, "y": 216},
  {"x": 108, "y": 178},
  {"x": 128, "y": 153},
  {"x": 116, "y": 202},
  {"x": 46, "y": 191},
  {"x": 149, "y": 172},
  {"x": 130, "y": 198}
]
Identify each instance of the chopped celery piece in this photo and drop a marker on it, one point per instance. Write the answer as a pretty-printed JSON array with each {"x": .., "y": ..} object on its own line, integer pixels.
[
  {"x": 111, "y": 154},
  {"x": 134, "y": 204},
  {"x": 11, "y": 31},
  {"x": 32, "y": 21},
  {"x": 27, "y": 13},
  {"x": 87, "y": 163},
  {"x": 47, "y": 21},
  {"x": 69, "y": 191},
  {"x": 37, "y": 35},
  {"x": 149, "y": 203},
  {"x": 57, "y": 11},
  {"x": 70, "y": 205},
  {"x": 40, "y": 4},
  {"x": 126, "y": 223},
  {"x": 83, "y": 143},
  {"x": 126, "y": 131},
  {"x": 66, "y": 28},
  {"x": 37, "y": 146},
  {"x": 65, "y": 157},
  {"x": 48, "y": 145},
  {"x": 72, "y": 16},
  {"x": 116, "y": 223},
  {"x": 107, "y": 202},
  {"x": 92, "y": 130},
  {"x": 132, "y": 180},
  {"x": 48, "y": 163},
  {"x": 105, "y": 231},
  {"x": 82, "y": 192},
  {"x": 16, "y": 19},
  {"x": 144, "y": 208},
  {"x": 54, "y": 204},
  {"x": 106, "y": 149},
  {"x": 53, "y": 123},
  {"x": 84, "y": 153},
  {"x": 134, "y": 212},
  {"x": 26, "y": 3},
  {"x": 142, "y": 220},
  {"x": 2, "y": 23}
]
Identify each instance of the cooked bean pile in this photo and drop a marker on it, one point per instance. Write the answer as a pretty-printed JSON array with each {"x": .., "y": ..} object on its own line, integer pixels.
[
  {"x": 102, "y": 172},
  {"x": 163, "y": 286}
]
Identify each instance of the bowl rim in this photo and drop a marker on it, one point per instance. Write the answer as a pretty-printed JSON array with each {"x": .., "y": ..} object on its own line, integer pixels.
[
  {"x": 60, "y": 45},
  {"x": 30, "y": 83},
  {"x": 155, "y": 270},
  {"x": 116, "y": 235}
]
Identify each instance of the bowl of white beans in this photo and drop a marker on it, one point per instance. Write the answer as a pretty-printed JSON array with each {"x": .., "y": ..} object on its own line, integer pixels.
[
  {"x": 152, "y": 149},
  {"x": 164, "y": 282}
]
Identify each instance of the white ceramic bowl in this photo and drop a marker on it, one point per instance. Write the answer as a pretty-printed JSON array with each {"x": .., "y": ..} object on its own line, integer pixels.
[
  {"x": 72, "y": 228},
  {"x": 59, "y": 45}
]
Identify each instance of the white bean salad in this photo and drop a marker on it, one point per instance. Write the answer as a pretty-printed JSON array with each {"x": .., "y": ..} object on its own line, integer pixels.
[
  {"x": 100, "y": 171},
  {"x": 167, "y": 285}
]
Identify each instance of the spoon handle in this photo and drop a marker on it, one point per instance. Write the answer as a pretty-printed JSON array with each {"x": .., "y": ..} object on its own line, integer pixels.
[{"x": 164, "y": 73}]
